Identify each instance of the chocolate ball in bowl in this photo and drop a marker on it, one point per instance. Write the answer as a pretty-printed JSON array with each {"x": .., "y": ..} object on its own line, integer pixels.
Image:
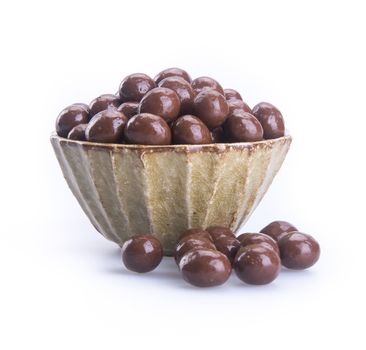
[
  {"x": 218, "y": 135},
  {"x": 103, "y": 102},
  {"x": 277, "y": 229},
  {"x": 232, "y": 94},
  {"x": 235, "y": 104},
  {"x": 243, "y": 127},
  {"x": 206, "y": 83},
  {"x": 70, "y": 117},
  {"x": 147, "y": 129},
  {"x": 188, "y": 129},
  {"x": 134, "y": 87},
  {"x": 271, "y": 119},
  {"x": 78, "y": 132},
  {"x": 129, "y": 109},
  {"x": 172, "y": 72},
  {"x": 246, "y": 239}
]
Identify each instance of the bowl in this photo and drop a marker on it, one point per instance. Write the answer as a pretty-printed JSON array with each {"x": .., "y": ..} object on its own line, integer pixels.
[{"x": 164, "y": 190}]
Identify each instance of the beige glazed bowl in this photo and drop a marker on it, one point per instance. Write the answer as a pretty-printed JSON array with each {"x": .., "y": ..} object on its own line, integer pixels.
[{"x": 164, "y": 190}]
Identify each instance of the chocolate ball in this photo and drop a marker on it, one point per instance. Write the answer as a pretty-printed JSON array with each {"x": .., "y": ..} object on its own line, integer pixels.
[
  {"x": 193, "y": 232},
  {"x": 70, "y": 117},
  {"x": 82, "y": 105},
  {"x": 188, "y": 129},
  {"x": 103, "y": 102},
  {"x": 134, "y": 87},
  {"x": 232, "y": 94},
  {"x": 162, "y": 102},
  {"x": 218, "y": 135},
  {"x": 184, "y": 91},
  {"x": 271, "y": 119},
  {"x": 142, "y": 253},
  {"x": 148, "y": 129},
  {"x": 188, "y": 243},
  {"x": 211, "y": 107},
  {"x": 219, "y": 231},
  {"x": 256, "y": 264},
  {"x": 276, "y": 229},
  {"x": 298, "y": 250},
  {"x": 235, "y": 104},
  {"x": 258, "y": 238},
  {"x": 129, "y": 109},
  {"x": 78, "y": 132},
  {"x": 227, "y": 245},
  {"x": 206, "y": 83},
  {"x": 243, "y": 127},
  {"x": 106, "y": 127},
  {"x": 205, "y": 267},
  {"x": 172, "y": 72}
]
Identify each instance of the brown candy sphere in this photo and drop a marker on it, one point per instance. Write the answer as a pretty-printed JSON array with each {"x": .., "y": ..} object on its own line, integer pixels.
[
  {"x": 243, "y": 127},
  {"x": 82, "y": 105},
  {"x": 107, "y": 127},
  {"x": 142, "y": 253},
  {"x": 184, "y": 91},
  {"x": 271, "y": 119},
  {"x": 232, "y": 94},
  {"x": 162, "y": 102},
  {"x": 129, "y": 109},
  {"x": 78, "y": 132},
  {"x": 235, "y": 104},
  {"x": 148, "y": 129},
  {"x": 219, "y": 231},
  {"x": 298, "y": 250},
  {"x": 172, "y": 72},
  {"x": 188, "y": 129},
  {"x": 246, "y": 239},
  {"x": 191, "y": 242},
  {"x": 134, "y": 87},
  {"x": 227, "y": 245},
  {"x": 205, "y": 267},
  {"x": 206, "y": 83},
  {"x": 193, "y": 232},
  {"x": 257, "y": 264},
  {"x": 211, "y": 107},
  {"x": 70, "y": 117},
  {"x": 277, "y": 229},
  {"x": 103, "y": 102}
]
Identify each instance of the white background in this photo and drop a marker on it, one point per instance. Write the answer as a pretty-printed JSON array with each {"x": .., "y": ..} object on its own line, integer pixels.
[{"x": 62, "y": 286}]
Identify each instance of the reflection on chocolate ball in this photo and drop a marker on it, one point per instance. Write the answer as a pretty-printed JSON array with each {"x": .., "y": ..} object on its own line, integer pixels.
[
  {"x": 219, "y": 231},
  {"x": 232, "y": 94},
  {"x": 243, "y": 127},
  {"x": 277, "y": 229},
  {"x": 103, "y": 102},
  {"x": 227, "y": 245},
  {"x": 188, "y": 129},
  {"x": 134, "y": 87},
  {"x": 193, "y": 232},
  {"x": 271, "y": 119},
  {"x": 235, "y": 104},
  {"x": 129, "y": 109},
  {"x": 206, "y": 83},
  {"x": 78, "y": 132},
  {"x": 172, "y": 72},
  {"x": 70, "y": 117},
  {"x": 190, "y": 242},
  {"x": 258, "y": 238}
]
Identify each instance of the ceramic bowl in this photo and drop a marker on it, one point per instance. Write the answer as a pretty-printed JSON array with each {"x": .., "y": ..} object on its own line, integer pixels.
[{"x": 164, "y": 190}]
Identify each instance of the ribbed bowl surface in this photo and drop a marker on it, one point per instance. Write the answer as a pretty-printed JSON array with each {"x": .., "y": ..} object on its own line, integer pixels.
[{"x": 131, "y": 189}]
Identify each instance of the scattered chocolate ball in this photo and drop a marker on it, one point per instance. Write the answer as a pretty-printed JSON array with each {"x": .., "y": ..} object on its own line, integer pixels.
[
  {"x": 276, "y": 229},
  {"x": 298, "y": 250},
  {"x": 134, "y": 87},
  {"x": 228, "y": 245},
  {"x": 107, "y": 126},
  {"x": 206, "y": 83},
  {"x": 205, "y": 267},
  {"x": 129, "y": 109},
  {"x": 162, "y": 102},
  {"x": 232, "y": 94},
  {"x": 193, "y": 232},
  {"x": 218, "y": 135},
  {"x": 271, "y": 119},
  {"x": 70, "y": 117},
  {"x": 188, "y": 129},
  {"x": 78, "y": 132},
  {"x": 188, "y": 243},
  {"x": 142, "y": 253},
  {"x": 148, "y": 129},
  {"x": 184, "y": 91},
  {"x": 235, "y": 104},
  {"x": 219, "y": 231},
  {"x": 256, "y": 264},
  {"x": 243, "y": 127},
  {"x": 103, "y": 102},
  {"x": 172, "y": 72},
  {"x": 246, "y": 239},
  {"x": 211, "y": 107}
]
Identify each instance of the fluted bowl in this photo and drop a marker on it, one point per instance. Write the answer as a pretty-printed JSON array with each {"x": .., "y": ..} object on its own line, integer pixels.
[{"x": 164, "y": 190}]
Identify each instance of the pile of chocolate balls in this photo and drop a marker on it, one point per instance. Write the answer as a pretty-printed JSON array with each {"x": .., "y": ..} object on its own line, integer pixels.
[
  {"x": 170, "y": 109},
  {"x": 207, "y": 257}
]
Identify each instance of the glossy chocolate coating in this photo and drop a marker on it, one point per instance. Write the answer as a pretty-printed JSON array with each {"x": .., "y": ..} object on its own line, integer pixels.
[
  {"x": 70, "y": 117},
  {"x": 232, "y": 94},
  {"x": 162, "y": 102},
  {"x": 172, "y": 72},
  {"x": 191, "y": 242},
  {"x": 271, "y": 119},
  {"x": 218, "y": 135},
  {"x": 129, "y": 109},
  {"x": 211, "y": 107},
  {"x": 134, "y": 87},
  {"x": 83, "y": 105},
  {"x": 228, "y": 245},
  {"x": 107, "y": 127},
  {"x": 103, "y": 102},
  {"x": 235, "y": 104},
  {"x": 258, "y": 238},
  {"x": 218, "y": 231},
  {"x": 298, "y": 250},
  {"x": 184, "y": 91},
  {"x": 206, "y": 83},
  {"x": 205, "y": 267},
  {"x": 277, "y": 228},
  {"x": 257, "y": 264},
  {"x": 78, "y": 132},
  {"x": 188, "y": 129},
  {"x": 142, "y": 253},
  {"x": 148, "y": 129},
  {"x": 193, "y": 232},
  {"x": 243, "y": 127}
]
